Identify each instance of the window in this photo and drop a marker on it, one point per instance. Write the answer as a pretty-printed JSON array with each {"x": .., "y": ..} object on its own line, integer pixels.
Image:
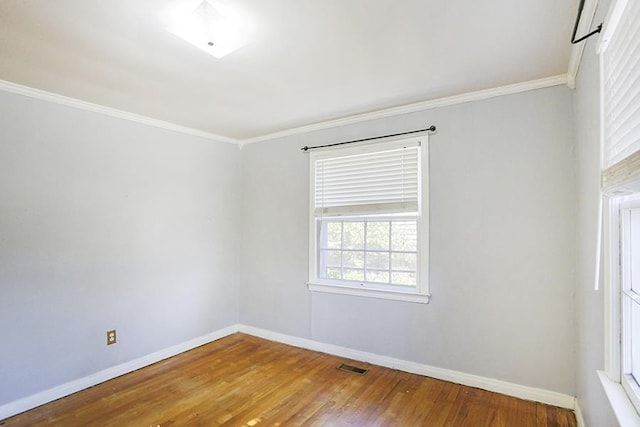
[
  {"x": 368, "y": 221},
  {"x": 630, "y": 294},
  {"x": 373, "y": 250},
  {"x": 622, "y": 303},
  {"x": 620, "y": 64}
]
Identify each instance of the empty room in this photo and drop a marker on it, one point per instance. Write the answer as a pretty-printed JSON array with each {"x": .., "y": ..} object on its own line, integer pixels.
[{"x": 323, "y": 213}]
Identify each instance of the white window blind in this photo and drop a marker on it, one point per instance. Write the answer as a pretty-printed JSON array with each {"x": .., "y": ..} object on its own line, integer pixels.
[
  {"x": 373, "y": 182},
  {"x": 621, "y": 83}
]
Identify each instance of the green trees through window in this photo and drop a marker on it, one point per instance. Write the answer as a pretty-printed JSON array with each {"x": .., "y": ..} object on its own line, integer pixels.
[{"x": 369, "y": 250}]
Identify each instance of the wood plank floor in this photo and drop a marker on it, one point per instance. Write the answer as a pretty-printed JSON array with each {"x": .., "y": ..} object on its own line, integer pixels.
[{"x": 242, "y": 380}]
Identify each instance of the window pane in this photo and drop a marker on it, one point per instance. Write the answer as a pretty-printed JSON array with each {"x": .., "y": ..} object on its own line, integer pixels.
[
  {"x": 357, "y": 275},
  {"x": 634, "y": 249},
  {"x": 332, "y": 258},
  {"x": 403, "y": 235},
  {"x": 353, "y": 259},
  {"x": 353, "y": 235},
  {"x": 386, "y": 249},
  {"x": 334, "y": 235},
  {"x": 378, "y": 260},
  {"x": 378, "y": 235},
  {"x": 333, "y": 273},
  {"x": 404, "y": 261},
  {"x": 635, "y": 339},
  {"x": 378, "y": 276},
  {"x": 403, "y": 278}
]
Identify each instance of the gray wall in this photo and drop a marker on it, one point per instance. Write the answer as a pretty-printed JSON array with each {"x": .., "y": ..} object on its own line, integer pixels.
[
  {"x": 106, "y": 223},
  {"x": 502, "y": 244},
  {"x": 589, "y": 303}
]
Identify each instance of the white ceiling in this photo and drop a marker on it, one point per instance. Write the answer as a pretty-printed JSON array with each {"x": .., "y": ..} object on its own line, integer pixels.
[{"x": 307, "y": 61}]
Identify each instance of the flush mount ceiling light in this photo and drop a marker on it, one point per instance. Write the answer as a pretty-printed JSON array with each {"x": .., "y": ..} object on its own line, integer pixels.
[{"x": 208, "y": 26}]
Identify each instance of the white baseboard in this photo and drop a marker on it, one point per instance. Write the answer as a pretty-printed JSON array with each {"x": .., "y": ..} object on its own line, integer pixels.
[
  {"x": 490, "y": 384},
  {"x": 579, "y": 416},
  {"x": 46, "y": 396},
  {"x": 510, "y": 389}
]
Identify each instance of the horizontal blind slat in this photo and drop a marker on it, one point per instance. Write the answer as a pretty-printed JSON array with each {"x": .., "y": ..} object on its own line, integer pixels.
[
  {"x": 363, "y": 194},
  {"x": 347, "y": 174},
  {"x": 370, "y": 209},
  {"x": 329, "y": 167},
  {"x": 385, "y": 154},
  {"x": 359, "y": 181},
  {"x": 626, "y": 89},
  {"x": 620, "y": 128}
]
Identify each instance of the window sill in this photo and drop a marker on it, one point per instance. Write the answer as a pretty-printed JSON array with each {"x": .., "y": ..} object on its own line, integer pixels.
[
  {"x": 620, "y": 403},
  {"x": 371, "y": 293}
]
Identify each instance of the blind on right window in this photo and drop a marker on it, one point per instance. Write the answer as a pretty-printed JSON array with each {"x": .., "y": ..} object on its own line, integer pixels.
[{"x": 620, "y": 51}]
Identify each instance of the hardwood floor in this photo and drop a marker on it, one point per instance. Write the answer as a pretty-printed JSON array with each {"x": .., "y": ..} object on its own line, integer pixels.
[{"x": 242, "y": 380}]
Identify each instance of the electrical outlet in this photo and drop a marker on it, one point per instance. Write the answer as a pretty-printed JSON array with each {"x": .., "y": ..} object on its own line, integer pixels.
[{"x": 111, "y": 337}]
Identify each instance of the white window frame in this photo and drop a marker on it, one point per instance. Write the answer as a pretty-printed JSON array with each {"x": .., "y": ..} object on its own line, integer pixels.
[{"x": 419, "y": 293}]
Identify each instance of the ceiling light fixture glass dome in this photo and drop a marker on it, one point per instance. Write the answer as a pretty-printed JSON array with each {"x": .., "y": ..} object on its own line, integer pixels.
[{"x": 206, "y": 25}]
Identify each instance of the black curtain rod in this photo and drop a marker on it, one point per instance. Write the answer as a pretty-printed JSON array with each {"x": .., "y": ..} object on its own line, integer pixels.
[
  {"x": 575, "y": 28},
  {"x": 431, "y": 128}
]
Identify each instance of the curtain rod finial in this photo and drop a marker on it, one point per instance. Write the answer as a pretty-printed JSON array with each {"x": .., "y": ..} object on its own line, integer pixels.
[
  {"x": 305, "y": 148},
  {"x": 432, "y": 128}
]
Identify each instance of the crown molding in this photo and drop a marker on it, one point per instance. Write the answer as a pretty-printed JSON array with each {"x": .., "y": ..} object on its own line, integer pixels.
[
  {"x": 563, "y": 79},
  {"x": 577, "y": 50},
  {"x": 95, "y": 108},
  {"x": 419, "y": 106}
]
